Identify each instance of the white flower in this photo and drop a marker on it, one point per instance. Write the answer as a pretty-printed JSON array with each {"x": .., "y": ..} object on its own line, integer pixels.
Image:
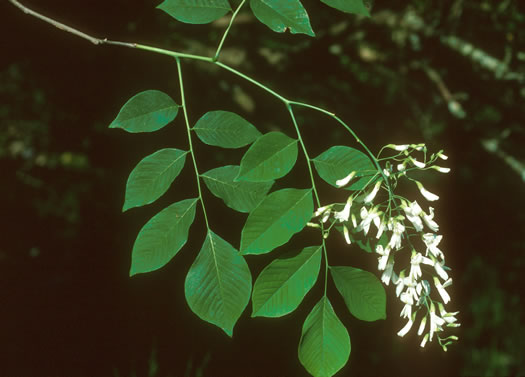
[
  {"x": 431, "y": 241},
  {"x": 417, "y": 163},
  {"x": 354, "y": 221},
  {"x": 441, "y": 169},
  {"x": 407, "y": 327},
  {"x": 435, "y": 321},
  {"x": 427, "y": 194},
  {"x": 442, "y": 156},
  {"x": 413, "y": 211},
  {"x": 400, "y": 283},
  {"x": 383, "y": 259},
  {"x": 400, "y": 148},
  {"x": 449, "y": 318},
  {"x": 415, "y": 269},
  {"x": 401, "y": 167},
  {"x": 397, "y": 230},
  {"x": 346, "y": 234},
  {"x": 422, "y": 326},
  {"x": 345, "y": 180},
  {"x": 387, "y": 274},
  {"x": 418, "y": 147},
  {"x": 424, "y": 341},
  {"x": 428, "y": 219},
  {"x": 343, "y": 215},
  {"x": 367, "y": 218},
  {"x": 442, "y": 292},
  {"x": 322, "y": 210},
  {"x": 372, "y": 193},
  {"x": 380, "y": 224},
  {"x": 386, "y": 173},
  {"x": 440, "y": 271},
  {"x": 406, "y": 312}
]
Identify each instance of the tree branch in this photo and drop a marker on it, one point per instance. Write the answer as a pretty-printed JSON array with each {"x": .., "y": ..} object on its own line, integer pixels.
[{"x": 69, "y": 29}]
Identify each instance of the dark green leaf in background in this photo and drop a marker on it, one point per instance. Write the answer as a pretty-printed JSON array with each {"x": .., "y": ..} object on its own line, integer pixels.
[
  {"x": 162, "y": 237},
  {"x": 324, "y": 347},
  {"x": 195, "y": 11},
  {"x": 225, "y": 129},
  {"x": 279, "y": 216},
  {"x": 282, "y": 285},
  {"x": 348, "y": 6},
  {"x": 272, "y": 156},
  {"x": 218, "y": 284},
  {"x": 240, "y": 196},
  {"x": 152, "y": 176},
  {"x": 146, "y": 112},
  {"x": 339, "y": 161},
  {"x": 280, "y": 15},
  {"x": 362, "y": 291}
]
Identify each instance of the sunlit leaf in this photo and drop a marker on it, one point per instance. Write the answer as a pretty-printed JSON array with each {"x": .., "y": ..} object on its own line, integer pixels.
[
  {"x": 282, "y": 285},
  {"x": 152, "y": 176},
  {"x": 218, "y": 284},
  {"x": 349, "y": 6},
  {"x": 324, "y": 347},
  {"x": 272, "y": 156},
  {"x": 339, "y": 161},
  {"x": 195, "y": 11},
  {"x": 362, "y": 291},
  {"x": 146, "y": 112},
  {"x": 240, "y": 196},
  {"x": 280, "y": 15},
  {"x": 225, "y": 129},
  {"x": 162, "y": 237},
  {"x": 279, "y": 216}
]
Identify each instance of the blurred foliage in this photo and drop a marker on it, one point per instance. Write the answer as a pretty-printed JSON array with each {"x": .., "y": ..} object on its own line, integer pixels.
[{"x": 447, "y": 73}]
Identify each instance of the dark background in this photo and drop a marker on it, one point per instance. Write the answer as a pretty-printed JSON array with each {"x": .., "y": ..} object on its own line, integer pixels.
[{"x": 68, "y": 307}]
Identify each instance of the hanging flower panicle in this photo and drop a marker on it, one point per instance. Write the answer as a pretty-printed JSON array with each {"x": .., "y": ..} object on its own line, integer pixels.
[{"x": 423, "y": 284}]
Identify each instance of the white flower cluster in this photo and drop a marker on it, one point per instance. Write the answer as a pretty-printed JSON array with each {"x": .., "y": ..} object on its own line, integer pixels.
[{"x": 397, "y": 223}]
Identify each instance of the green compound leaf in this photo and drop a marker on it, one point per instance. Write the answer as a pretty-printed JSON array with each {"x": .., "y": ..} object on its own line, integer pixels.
[
  {"x": 218, "y": 284},
  {"x": 146, "y": 112},
  {"x": 272, "y": 156},
  {"x": 279, "y": 216},
  {"x": 339, "y": 161},
  {"x": 324, "y": 347},
  {"x": 225, "y": 129},
  {"x": 348, "y": 6},
  {"x": 280, "y": 15},
  {"x": 195, "y": 11},
  {"x": 362, "y": 291},
  {"x": 162, "y": 237},
  {"x": 240, "y": 196},
  {"x": 152, "y": 176},
  {"x": 282, "y": 285}
]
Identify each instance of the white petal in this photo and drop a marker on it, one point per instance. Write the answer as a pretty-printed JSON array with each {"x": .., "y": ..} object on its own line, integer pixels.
[
  {"x": 373, "y": 193},
  {"x": 428, "y": 195},
  {"x": 345, "y": 180},
  {"x": 440, "y": 271},
  {"x": 422, "y": 326},
  {"x": 406, "y": 329},
  {"x": 417, "y": 163},
  {"x": 424, "y": 341},
  {"x": 347, "y": 236},
  {"x": 441, "y": 169}
]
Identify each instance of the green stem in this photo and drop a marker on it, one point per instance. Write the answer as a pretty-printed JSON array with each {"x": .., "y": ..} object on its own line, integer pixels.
[
  {"x": 173, "y": 54},
  {"x": 314, "y": 189},
  {"x": 217, "y": 53},
  {"x": 255, "y": 82},
  {"x": 185, "y": 111}
]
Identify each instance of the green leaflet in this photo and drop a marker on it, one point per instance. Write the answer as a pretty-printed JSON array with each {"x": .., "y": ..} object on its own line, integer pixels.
[
  {"x": 362, "y": 291},
  {"x": 324, "y": 347},
  {"x": 280, "y": 15},
  {"x": 218, "y": 284},
  {"x": 162, "y": 237},
  {"x": 225, "y": 129},
  {"x": 272, "y": 156},
  {"x": 279, "y": 216},
  {"x": 152, "y": 176},
  {"x": 349, "y": 6},
  {"x": 240, "y": 196},
  {"x": 282, "y": 285},
  {"x": 195, "y": 11},
  {"x": 339, "y": 161},
  {"x": 146, "y": 112}
]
